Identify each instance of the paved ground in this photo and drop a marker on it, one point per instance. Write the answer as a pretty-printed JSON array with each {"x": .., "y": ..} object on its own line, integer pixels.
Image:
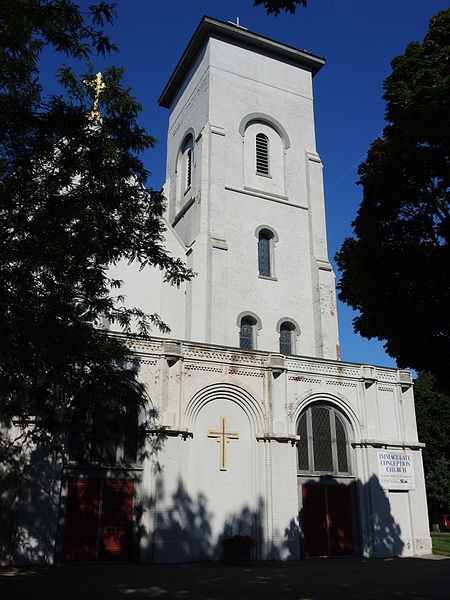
[{"x": 407, "y": 578}]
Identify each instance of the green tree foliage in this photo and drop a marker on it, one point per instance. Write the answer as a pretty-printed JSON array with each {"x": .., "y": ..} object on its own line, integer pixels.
[
  {"x": 395, "y": 268},
  {"x": 432, "y": 411},
  {"x": 72, "y": 201},
  {"x": 276, "y": 6}
]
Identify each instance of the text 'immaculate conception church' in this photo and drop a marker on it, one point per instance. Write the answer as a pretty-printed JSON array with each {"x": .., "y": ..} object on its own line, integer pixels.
[{"x": 255, "y": 425}]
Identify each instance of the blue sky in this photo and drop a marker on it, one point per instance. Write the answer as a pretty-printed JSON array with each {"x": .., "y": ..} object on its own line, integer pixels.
[{"x": 358, "y": 38}]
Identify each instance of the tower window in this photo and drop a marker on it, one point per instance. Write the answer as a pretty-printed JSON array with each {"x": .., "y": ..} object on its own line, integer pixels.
[
  {"x": 185, "y": 173},
  {"x": 323, "y": 446},
  {"x": 264, "y": 252},
  {"x": 267, "y": 238},
  {"x": 247, "y": 333},
  {"x": 287, "y": 332},
  {"x": 262, "y": 154}
]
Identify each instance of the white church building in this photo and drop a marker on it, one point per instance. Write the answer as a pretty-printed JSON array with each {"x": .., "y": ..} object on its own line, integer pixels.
[{"x": 255, "y": 425}]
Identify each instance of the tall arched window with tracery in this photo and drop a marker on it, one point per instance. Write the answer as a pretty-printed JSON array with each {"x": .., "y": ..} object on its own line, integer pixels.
[
  {"x": 324, "y": 445},
  {"x": 104, "y": 436}
]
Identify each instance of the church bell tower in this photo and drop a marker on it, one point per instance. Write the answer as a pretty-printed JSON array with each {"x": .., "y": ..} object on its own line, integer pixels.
[{"x": 245, "y": 194}]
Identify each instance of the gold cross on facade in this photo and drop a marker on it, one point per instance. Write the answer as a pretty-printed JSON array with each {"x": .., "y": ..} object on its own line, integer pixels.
[
  {"x": 223, "y": 436},
  {"x": 98, "y": 86}
]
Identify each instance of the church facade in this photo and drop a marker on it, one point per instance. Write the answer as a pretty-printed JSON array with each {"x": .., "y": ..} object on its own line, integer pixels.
[{"x": 253, "y": 424}]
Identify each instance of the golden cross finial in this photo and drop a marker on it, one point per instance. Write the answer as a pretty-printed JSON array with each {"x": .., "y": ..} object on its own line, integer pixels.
[{"x": 99, "y": 86}]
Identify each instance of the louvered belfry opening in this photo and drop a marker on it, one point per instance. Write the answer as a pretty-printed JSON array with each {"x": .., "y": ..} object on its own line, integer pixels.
[
  {"x": 262, "y": 154},
  {"x": 188, "y": 169}
]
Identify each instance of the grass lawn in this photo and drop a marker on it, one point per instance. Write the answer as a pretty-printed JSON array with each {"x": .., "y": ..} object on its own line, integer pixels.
[{"x": 441, "y": 543}]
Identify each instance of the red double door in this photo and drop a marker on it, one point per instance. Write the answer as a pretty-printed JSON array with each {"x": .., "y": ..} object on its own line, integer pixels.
[
  {"x": 327, "y": 520},
  {"x": 99, "y": 519}
]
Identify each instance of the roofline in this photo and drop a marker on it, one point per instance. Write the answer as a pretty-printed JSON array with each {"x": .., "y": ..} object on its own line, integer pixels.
[{"x": 207, "y": 28}]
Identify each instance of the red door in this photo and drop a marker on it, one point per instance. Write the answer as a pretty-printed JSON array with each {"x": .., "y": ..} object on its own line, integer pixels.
[
  {"x": 80, "y": 534},
  {"x": 116, "y": 520},
  {"x": 99, "y": 519},
  {"x": 339, "y": 520},
  {"x": 327, "y": 522},
  {"x": 315, "y": 520}
]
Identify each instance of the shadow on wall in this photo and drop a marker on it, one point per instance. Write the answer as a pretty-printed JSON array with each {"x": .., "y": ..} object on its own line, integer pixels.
[
  {"x": 184, "y": 531},
  {"x": 332, "y": 522},
  {"x": 385, "y": 532},
  {"x": 33, "y": 491},
  {"x": 185, "y": 528},
  {"x": 329, "y": 524},
  {"x": 29, "y": 507},
  {"x": 11, "y": 469},
  {"x": 32, "y": 459}
]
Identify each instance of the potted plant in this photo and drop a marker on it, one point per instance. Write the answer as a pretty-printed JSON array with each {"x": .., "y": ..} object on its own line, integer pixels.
[{"x": 237, "y": 548}]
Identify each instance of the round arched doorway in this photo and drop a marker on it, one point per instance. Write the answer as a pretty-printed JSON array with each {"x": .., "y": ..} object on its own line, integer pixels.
[{"x": 327, "y": 483}]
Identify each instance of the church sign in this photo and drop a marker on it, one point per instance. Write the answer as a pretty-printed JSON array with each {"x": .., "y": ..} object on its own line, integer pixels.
[{"x": 396, "y": 470}]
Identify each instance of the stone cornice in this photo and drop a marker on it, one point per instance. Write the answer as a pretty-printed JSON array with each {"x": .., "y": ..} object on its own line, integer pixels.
[
  {"x": 298, "y": 367},
  {"x": 391, "y": 444}
]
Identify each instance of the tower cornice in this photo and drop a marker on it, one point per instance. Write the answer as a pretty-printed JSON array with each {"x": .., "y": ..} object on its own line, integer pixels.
[{"x": 209, "y": 27}]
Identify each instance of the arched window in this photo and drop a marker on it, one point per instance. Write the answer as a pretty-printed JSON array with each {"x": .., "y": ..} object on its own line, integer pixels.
[
  {"x": 104, "y": 436},
  {"x": 323, "y": 446},
  {"x": 265, "y": 242},
  {"x": 267, "y": 238},
  {"x": 287, "y": 338},
  {"x": 185, "y": 173},
  {"x": 262, "y": 154},
  {"x": 247, "y": 333}
]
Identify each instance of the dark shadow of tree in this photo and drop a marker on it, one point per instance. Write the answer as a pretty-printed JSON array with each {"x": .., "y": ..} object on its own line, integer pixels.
[
  {"x": 184, "y": 531},
  {"x": 383, "y": 535},
  {"x": 33, "y": 481},
  {"x": 182, "y": 528},
  {"x": 386, "y": 532},
  {"x": 29, "y": 506}
]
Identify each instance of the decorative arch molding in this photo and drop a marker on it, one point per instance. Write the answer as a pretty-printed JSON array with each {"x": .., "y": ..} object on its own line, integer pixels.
[
  {"x": 190, "y": 131},
  {"x": 249, "y": 313},
  {"x": 148, "y": 414},
  {"x": 288, "y": 320},
  {"x": 268, "y": 228},
  {"x": 230, "y": 392},
  {"x": 339, "y": 402},
  {"x": 268, "y": 120}
]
